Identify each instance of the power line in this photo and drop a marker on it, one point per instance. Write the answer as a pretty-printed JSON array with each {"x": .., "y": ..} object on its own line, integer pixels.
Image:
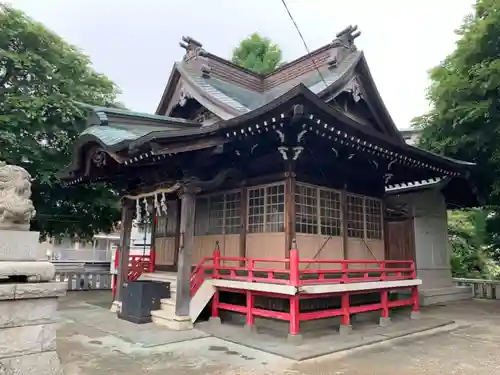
[{"x": 303, "y": 41}]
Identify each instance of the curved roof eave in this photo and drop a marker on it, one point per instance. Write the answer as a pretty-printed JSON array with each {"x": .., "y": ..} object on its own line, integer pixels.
[{"x": 86, "y": 139}]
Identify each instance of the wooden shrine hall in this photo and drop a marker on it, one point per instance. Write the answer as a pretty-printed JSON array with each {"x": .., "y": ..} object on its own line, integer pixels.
[{"x": 271, "y": 194}]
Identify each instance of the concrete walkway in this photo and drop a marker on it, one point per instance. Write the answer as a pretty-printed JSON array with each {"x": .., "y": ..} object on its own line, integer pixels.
[{"x": 92, "y": 342}]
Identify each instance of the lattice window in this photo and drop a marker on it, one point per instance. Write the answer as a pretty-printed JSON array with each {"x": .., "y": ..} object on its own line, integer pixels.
[
  {"x": 232, "y": 217},
  {"x": 306, "y": 209},
  {"x": 256, "y": 209},
  {"x": 266, "y": 209},
  {"x": 355, "y": 216},
  {"x": 373, "y": 210},
  {"x": 330, "y": 213},
  {"x": 275, "y": 208},
  {"x": 218, "y": 214}
]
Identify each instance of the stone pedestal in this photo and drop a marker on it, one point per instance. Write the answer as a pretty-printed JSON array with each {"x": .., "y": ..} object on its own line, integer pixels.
[{"x": 28, "y": 322}]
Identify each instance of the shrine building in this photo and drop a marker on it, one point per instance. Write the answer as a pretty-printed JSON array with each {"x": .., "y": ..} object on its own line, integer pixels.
[{"x": 290, "y": 195}]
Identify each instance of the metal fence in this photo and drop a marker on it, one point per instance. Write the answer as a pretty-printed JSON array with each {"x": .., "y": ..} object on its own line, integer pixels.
[
  {"x": 95, "y": 280},
  {"x": 481, "y": 288}
]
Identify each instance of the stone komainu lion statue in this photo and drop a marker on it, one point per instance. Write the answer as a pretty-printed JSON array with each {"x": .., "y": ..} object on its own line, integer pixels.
[{"x": 16, "y": 207}]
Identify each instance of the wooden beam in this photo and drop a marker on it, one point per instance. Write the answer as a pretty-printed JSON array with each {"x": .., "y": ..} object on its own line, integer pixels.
[
  {"x": 183, "y": 296},
  {"x": 345, "y": 218},
  {"x": 290, "y": 185},
  {"x": 123, "y": 256},
  {"x": 177, "y": 243},
  {"x": 244, "y": 217}
]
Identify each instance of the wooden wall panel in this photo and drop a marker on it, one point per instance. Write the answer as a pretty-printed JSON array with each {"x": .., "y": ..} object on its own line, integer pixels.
[
  {"x": 165, "y": 251},
  {"x": 266, "y": 245}
]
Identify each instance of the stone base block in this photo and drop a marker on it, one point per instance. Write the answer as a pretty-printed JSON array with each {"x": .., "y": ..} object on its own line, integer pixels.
[
  {"x": 28, "y": 323},
  {"x": 250, "y": 328},
  {"x": 345, "y": 329},
  {"x": 116, "y": 306},
  {"x": 294, "y": 339},
  {"x": 47, "y": 363},
  {"x": 34, "y": 271},
  {"x": 20, "y": 245},
  {"x": 32, "y": 290},
  {"x": 415, "y": 315},
  {"x": 385, "y": 321},
  {"x": 175, "y": 323},
  {"x": 442, "y": 295},
  {"x": 214, "y": 321}
]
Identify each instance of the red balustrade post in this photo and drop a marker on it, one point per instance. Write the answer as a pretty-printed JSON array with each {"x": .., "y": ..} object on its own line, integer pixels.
[
  {"x": 251, "y": 265},
  {"x": 216, "y": 262},
  {"x": 345, "y": 273},
  {"x": 294, "y": 265}
]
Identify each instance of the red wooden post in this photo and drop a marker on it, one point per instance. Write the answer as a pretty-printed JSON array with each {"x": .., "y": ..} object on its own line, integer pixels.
[
  {"x": 346, "y": 315},
  {"x": 250, "y": 321},
  {"x": 216, "y": 261},
  {"x": 414, "y": 295},
  {"x": 215, "y": 304},
  {"x": 294, "y": 314},
  {"x": 385, "y": 303},
  {"x": 294, "y": 265}
]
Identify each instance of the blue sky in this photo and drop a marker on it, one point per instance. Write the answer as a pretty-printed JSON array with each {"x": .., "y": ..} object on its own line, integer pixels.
[{"x": 136, "y": 42}]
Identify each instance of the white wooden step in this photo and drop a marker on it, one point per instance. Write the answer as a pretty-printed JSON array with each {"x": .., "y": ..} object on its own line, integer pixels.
[
  {"x": 169, "y": 277},
  {"x": 173, "y": 322},
  {"x": 168, "y": 305}
]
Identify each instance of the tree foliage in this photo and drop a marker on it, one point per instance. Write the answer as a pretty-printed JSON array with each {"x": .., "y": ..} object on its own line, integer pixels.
[
  {"x": 41, "y": 79},
  {"x": 465, "y": 94},
  {"x": 464, "y": 121},
  {"x": 257, "y": 54}
]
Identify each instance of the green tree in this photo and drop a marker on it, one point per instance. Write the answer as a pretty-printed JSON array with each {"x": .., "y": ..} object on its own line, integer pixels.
[
  {"x": 41, "y": 79},
  {"x": 464, "y": 121},
  {"x": 465, "y": 94},
  {"x": 257, "y": 54}
]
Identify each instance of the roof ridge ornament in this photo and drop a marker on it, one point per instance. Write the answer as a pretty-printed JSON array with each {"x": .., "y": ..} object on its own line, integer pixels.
[
  {"x": 346, "y": 37},
  {"x": 193, "y": 48},
  {"x": 344, "y": 40}
]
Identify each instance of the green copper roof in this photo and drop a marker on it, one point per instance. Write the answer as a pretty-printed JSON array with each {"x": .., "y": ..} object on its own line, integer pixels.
[
  {"x": 112, "y": 126},
  {"x": 110, "y": 135}
]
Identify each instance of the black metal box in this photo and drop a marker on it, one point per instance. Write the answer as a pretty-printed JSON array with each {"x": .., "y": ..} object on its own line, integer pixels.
[{"x": 139, "y": 298}]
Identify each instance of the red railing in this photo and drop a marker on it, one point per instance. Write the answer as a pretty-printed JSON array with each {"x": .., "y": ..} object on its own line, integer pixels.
[
  {"x": 138, "y": 264},
  {"x": 296, "y": 272}
]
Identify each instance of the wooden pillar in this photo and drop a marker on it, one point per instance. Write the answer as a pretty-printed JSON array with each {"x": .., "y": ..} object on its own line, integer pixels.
[
  {"x": 183, "y": 296},
  {"x": 177, "y": 242},
  {"x": 244, "y": 218},
  {"x": 289, "y": 207},
  {"x": 345, "y": 219},
  {"x": 123, "y": 255}
]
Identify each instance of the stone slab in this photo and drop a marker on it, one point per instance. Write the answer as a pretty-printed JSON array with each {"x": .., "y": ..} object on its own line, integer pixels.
[
  {"x": 35, "y": 271},
  {"x": 28, "y": 312},
  {"x": 322, "y": 343},
  {"x": 35, "y": 364},
  {"x": 20, "y": 245},
  {"x": 32, "y": 290},
  {"x": 143, "y": 335},
  {"x": 26, "y": 340}
]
